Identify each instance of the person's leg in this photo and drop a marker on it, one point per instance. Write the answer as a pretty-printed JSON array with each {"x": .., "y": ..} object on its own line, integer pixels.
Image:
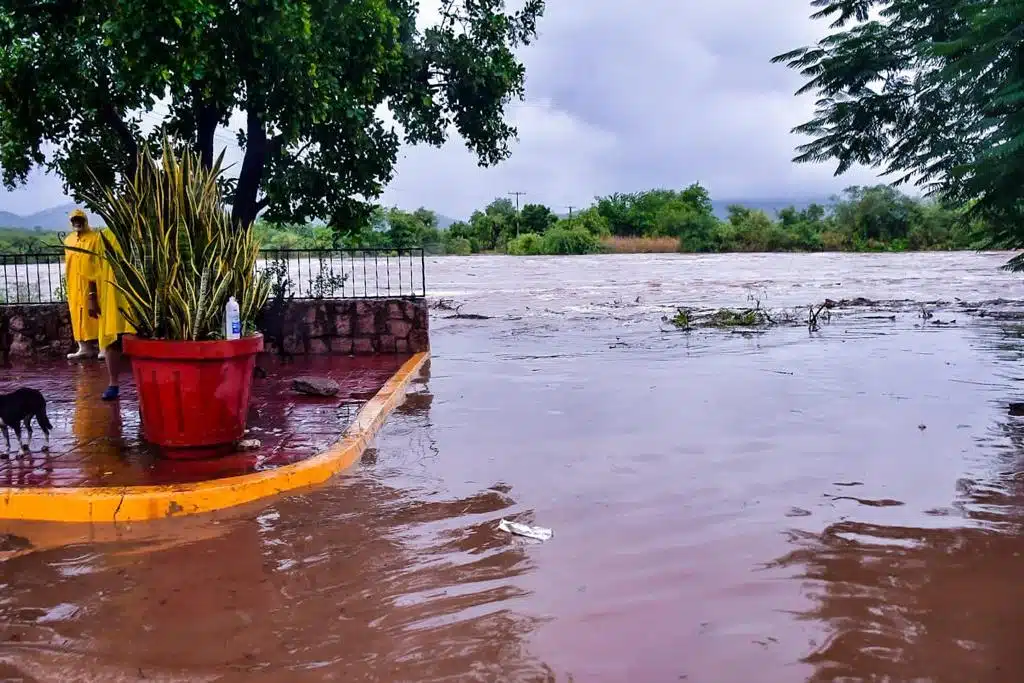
[
  {"x": 112, "y": 356},
  {"x": 86, "y": 349}
]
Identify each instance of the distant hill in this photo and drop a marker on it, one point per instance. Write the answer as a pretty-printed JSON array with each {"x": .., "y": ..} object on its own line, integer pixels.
[
  {"x": 10, "y": 220},
  {"x": 55, "y": 218},
  {"x": 445, "y": 222},
  {"x": 769, "y": 206}
]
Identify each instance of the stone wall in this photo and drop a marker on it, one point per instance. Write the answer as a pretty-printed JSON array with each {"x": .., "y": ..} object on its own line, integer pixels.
[
  {"x": 30, "y": 330},
  {"x": 306, "y": 327},
  {"x": 317, "y": 326}
]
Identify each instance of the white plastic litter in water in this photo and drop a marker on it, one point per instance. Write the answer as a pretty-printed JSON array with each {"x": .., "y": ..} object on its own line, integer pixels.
[{"x": 536, "y": 532}]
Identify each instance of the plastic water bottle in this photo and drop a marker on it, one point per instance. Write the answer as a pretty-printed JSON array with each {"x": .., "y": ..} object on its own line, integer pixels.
[{"x": 232, "y": 320}]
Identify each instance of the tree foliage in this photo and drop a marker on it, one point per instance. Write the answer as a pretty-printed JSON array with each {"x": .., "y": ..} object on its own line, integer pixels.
[
  {"x": 82, "y": 83},
  {"x": 929, "y": 91},
  {"x": 536, "y": 218},
  {"x": 879, "y": 218},
  {"x": 686, "y": 214}
]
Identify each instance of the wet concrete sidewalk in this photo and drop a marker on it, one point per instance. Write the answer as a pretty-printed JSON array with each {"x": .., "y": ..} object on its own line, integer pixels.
[{"x": 99, "y": 444}]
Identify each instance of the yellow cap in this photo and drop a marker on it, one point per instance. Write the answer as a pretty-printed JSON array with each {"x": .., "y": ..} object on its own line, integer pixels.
[{"x": 77, "y": 213}]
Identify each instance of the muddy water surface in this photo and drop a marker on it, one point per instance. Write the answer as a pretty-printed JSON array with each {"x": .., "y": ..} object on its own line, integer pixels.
[{"x": 840, "y": 506}]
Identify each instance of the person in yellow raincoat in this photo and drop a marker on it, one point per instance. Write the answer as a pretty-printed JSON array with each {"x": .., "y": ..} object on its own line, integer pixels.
[
  {"x": 80, "y": 272},
  {"x": 109, "y": 303}
]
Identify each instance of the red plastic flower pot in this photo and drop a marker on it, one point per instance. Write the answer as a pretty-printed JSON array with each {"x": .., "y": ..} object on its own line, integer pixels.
[{"x": 192, "y": 394}]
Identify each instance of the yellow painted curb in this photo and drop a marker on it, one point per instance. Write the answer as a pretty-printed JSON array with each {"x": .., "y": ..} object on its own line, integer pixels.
[{"x": 138, "y": 503}]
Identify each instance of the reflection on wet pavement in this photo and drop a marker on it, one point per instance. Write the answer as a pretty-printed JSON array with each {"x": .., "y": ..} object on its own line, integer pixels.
[
  {"x": 788, "y": 507},
  {"x": 98, "y": 444}
]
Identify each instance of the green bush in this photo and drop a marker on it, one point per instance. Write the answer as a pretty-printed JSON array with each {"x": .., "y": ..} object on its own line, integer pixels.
[
  {"x": 569, "y": 241},
  {"x": 528, "y": 244},
  {"x": 458, "y": 246}
]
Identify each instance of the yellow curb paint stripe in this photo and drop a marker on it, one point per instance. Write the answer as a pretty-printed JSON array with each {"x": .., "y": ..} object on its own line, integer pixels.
[{"x": 138, "y": 503}]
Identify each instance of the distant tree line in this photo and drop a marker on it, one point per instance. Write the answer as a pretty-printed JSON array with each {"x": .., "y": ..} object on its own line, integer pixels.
[
  {"x": 878, "y": 218},
  {"x": 23, "y": 241}
]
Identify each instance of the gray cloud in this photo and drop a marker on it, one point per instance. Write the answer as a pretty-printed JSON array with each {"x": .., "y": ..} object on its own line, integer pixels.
[
  {"x": 653, "y": 93},
  {"x": 628, "y": 96}
]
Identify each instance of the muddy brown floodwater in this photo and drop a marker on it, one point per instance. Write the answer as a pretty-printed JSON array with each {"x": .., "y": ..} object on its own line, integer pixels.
[{"x": 780, "y": 507}]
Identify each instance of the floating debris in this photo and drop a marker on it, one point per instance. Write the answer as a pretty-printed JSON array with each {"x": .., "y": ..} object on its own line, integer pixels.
[
  {"x": 536, "y": 532},
  {"x": 467, "y": 316},
  {"x": 444, "y": 305}
]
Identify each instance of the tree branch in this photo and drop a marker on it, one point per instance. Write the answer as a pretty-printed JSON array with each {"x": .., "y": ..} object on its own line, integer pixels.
[{"x": 113, "y": 119}]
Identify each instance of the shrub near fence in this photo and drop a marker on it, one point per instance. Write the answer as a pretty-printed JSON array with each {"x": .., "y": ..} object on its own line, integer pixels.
[{"x": 303, "y": 273}]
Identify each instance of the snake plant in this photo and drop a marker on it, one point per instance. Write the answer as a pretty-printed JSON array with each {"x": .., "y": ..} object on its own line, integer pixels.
[{"x": 176, "y": 255}]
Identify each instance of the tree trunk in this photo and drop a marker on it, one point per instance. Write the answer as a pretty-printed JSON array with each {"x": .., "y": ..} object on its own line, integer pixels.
[
  {"x": 244, "y": 207},
  {"x": 205, "y": 130},
  {"x": 206, "y": 119}
]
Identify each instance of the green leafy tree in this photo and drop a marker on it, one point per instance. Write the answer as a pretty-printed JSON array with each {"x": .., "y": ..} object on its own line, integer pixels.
[
  {"x": 457, "y": 246},
  {"x": 371, "y": 235},
  {"x": 693, "y": 225},
  {"x": 527, "y": 244},
  {"x": 929, "y": 91},
  {"x": 566, "y": 241},
  {"x": 878, "y": 214},
  {"x": 805, "y": 226},
  {"x": 459, "y": 231},
  {"x": 618, "y": 213},
  {"x": 659, "y": 213},
  {"x": 416, "y": 229},
  {"x": 426, "y": 217},
  {"x": 80, "y": 82},
  {"x": 754, "y": 230},
  {"x": 536, "y": 218},
  {"x": 495, "y": 225},
  {"x": 591, "y": 220}
]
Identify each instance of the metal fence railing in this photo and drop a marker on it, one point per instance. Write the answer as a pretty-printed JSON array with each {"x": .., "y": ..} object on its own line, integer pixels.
[
  {"x": 38, "y": 277},
  {"x": 348, "y": 273}
]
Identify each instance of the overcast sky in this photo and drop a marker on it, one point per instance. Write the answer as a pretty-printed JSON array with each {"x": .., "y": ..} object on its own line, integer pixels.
[{"x": 625, "y": 96}]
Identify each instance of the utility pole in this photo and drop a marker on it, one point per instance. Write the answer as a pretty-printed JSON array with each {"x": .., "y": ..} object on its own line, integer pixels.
[{"x": 517, "y": 196}]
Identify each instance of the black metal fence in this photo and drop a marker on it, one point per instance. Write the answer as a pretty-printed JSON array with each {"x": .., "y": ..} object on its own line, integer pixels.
[
  {"x": 304, "y": 273},
  {"x": 347, "y": 273}
]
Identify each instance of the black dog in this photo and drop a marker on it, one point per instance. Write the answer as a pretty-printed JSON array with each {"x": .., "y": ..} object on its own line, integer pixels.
[{"x": 18, "y": 408}]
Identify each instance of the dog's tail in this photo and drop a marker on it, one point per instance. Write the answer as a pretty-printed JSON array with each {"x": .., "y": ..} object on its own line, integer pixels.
[{"x": 44, "y": 421}]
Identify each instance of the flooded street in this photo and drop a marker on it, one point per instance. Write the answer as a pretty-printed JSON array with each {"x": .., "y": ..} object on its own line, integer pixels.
[{"x": 780, "y": 507}]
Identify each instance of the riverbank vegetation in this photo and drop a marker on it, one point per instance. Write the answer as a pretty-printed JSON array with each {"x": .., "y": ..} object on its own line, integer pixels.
[
  {"x": 864, "y": 219},
  {"x": 878, "y": 218},
  {"x": 930, "y": 94},
  {"x": 21, "y": 241}
]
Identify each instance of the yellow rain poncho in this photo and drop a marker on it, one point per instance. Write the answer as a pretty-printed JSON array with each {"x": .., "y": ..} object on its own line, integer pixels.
[
  {"x": 80, "y": 270},
  {"x": 112, "y": 322}
]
